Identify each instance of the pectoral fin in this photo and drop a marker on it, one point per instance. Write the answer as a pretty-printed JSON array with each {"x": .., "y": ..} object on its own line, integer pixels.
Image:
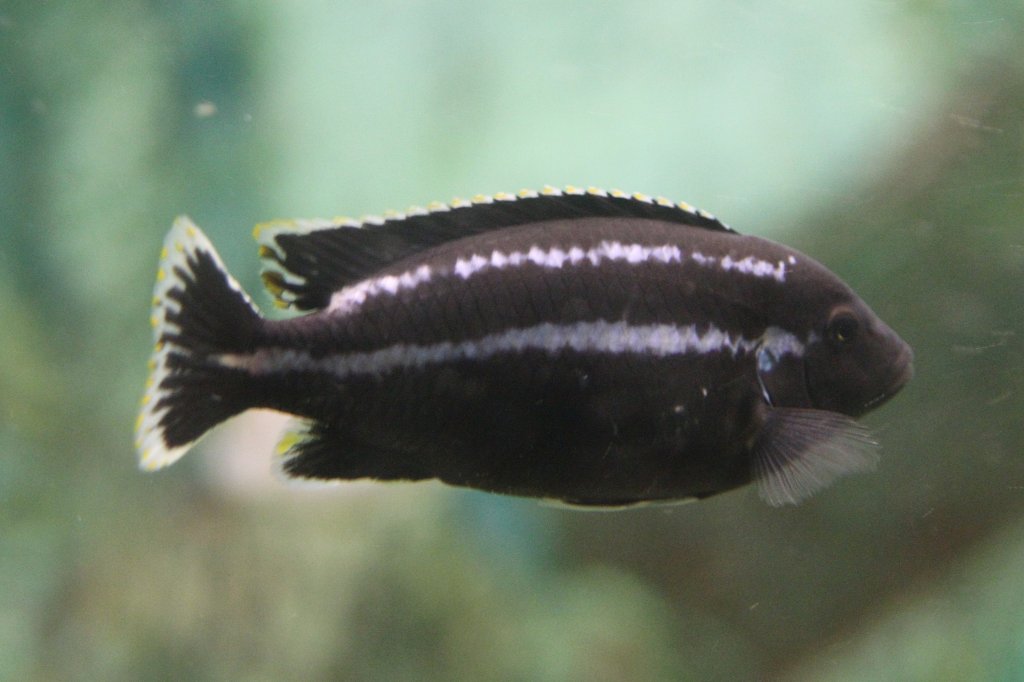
[{"x": 801, "y": 451}]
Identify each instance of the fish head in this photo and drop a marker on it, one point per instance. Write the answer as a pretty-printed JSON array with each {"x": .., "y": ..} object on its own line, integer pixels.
[{"x": 854, "y": 361}]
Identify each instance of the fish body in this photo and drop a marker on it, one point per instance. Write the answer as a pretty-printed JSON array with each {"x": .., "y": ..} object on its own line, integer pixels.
[{"x": 593, "y": 348}]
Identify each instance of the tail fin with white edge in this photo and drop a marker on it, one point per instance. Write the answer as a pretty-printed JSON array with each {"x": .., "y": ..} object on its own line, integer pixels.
[{"x": 200, "y": 314}]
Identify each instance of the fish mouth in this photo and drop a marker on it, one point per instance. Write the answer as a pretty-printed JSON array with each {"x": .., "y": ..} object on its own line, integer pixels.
[{"x": 902, "y": 377}]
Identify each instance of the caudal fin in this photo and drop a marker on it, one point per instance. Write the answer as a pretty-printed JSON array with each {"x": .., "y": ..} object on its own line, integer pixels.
[{"x": 200, "y": 313}]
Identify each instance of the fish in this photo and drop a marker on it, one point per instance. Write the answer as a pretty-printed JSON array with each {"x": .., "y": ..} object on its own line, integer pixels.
[{"x": 593, "y": 348}]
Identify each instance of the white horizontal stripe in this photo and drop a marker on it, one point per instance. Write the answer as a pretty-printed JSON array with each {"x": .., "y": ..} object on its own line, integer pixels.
[
  {"x": 756, "y": 267},
  {"x": 351, "y": 297},
  {"x": 748, "y": 265},
  {"x": 557, "y": 257},
  {"x": 615, "y": 338}
]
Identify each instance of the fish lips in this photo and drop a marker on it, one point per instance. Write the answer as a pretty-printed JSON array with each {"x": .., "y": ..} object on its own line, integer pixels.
[{"x": 903, "y": 372}]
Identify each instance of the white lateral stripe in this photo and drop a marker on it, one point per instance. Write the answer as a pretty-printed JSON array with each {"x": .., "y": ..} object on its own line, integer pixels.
[
  {"x": 616, "y": 338},
  {"x": 351, "y": 297},
  {"x": 756, "y": 267},
  {"x": 557, "y": 257},
  {"x": 748, "y": 266}
]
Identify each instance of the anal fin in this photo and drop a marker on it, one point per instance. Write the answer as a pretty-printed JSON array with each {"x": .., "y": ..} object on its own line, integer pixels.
[{"x": 315, "y": 451}]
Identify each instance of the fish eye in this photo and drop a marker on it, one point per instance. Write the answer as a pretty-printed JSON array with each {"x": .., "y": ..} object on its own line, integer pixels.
[{"x": 842, "y": 327}]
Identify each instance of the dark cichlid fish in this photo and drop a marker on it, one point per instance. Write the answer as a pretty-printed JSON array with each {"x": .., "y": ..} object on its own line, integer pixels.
[{"x": 600, "y": 349}]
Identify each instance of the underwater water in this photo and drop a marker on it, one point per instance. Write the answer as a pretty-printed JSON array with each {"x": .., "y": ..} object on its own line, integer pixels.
[{"x": 886, "y": 140}]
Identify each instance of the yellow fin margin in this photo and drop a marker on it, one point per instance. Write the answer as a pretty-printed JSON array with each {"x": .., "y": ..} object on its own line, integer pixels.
[{"x": 182, "y": 243}]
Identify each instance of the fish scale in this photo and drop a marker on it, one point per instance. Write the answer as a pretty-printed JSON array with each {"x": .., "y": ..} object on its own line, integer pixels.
[{"x": 596, "y": 348}]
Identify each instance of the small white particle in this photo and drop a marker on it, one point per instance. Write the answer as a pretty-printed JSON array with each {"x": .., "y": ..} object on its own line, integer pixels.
[{"x": 205, "y": 109}]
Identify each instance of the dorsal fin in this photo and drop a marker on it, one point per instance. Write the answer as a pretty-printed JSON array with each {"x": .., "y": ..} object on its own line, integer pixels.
[{"x": 305, "y": 262}]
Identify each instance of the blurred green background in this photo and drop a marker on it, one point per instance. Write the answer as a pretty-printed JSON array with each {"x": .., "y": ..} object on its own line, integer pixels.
[{"x": 886, "y": 139}]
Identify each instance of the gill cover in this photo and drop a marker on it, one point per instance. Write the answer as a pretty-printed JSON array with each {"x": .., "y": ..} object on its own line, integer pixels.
[
  {"x": 799, "y": 449},
  {"x": 782, "y": 378}
]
